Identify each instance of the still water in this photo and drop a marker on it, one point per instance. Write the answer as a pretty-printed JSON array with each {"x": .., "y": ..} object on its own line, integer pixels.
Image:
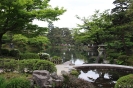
[{"x": 100, "y": 78}]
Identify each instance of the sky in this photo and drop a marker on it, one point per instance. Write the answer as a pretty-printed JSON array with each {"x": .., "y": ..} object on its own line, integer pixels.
[{"x": 82, "y": 8}]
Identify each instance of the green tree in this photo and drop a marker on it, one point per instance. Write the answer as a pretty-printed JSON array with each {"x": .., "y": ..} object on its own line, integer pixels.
[
  {"x": 16, "y": 14},
  {"x": 121, "y": 29},
  {"x": 39, "y": 41},
  {"x": 95, "y": 28},
  {"x": 20, "y": 40},
  {"x": 59, "y": 36},
  {"x": 32, "y": 30}
]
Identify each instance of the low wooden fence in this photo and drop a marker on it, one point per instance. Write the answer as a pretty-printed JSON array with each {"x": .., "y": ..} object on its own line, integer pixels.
[{"x": 56, "y": 61}]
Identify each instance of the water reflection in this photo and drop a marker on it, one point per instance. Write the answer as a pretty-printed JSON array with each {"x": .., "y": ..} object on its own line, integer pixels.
[
  {"x": 77, "y": 56},
  {"x": 67, "y": 54},
  {"x": 102, "y": 78}
]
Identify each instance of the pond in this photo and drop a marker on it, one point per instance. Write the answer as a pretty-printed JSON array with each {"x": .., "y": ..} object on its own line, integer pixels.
[{"x": 99, "y": 77}]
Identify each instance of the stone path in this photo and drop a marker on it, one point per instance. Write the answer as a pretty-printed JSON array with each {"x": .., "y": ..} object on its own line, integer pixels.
[{"x": 64, "y": 67}]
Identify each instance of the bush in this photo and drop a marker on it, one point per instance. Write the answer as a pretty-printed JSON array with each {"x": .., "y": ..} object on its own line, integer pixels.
[
  {"x": 29, "y": 56},
  {"x": 125, "y": 82},
  {"x": 18, "y": 82},
  {"x": 10, "y": 65},
  {"x": 14, "y": 53},
  {"x": 4, "y": 52},
  {"x": 74, "y": 73},
  {"x": 35, "y": 64},
  {"x": 130, "y": 60},
  {"x": 28, "y": 64},
  {"x": 122, "y": 59},
  {"x": 45, "y": 65},
  {"x": 45, "y": 56},
  {"x": 56, "y": 58},
  {"x": 2, "y": 81},
  {"x": 114, "y": 55}
]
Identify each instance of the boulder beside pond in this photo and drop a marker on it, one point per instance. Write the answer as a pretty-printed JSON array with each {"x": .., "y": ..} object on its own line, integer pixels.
[{"x": 44, "y": 79}]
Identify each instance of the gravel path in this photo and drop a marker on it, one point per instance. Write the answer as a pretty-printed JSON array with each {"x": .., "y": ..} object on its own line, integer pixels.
[{"x": 64, "y": 67}]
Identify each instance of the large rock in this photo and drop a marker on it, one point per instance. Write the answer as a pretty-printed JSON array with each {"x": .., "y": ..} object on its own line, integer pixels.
[{"x": 45, "y": 80}]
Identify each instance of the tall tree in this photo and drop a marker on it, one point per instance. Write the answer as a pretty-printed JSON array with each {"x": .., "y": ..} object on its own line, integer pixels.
[
  {"x": 121, "y": 26},
  {"x": 95, "y": 28},
  {"x": 60, "y": 36},
  {"x": 16, "y": 14}
]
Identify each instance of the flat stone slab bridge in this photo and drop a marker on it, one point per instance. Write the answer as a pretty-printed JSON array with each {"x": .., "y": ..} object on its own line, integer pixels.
[{"x": 104, "y": 66}]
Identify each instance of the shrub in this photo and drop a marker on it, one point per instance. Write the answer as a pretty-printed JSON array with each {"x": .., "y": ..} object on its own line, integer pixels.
[
  {"x": 130, "y": 60},
  {"x": 35, "y": 64},
  {"x": 14, "y": 53},
  {"x": 45, "y": 56},
  {"x": 114, "y": 55},
  {"x": 5, "y": 52},
  {"x": 29, "y": 56},
  {"x": 45, "y": 65},
  {"x": 28, "y": 64},
  {"x": 56, "y": 58},
  {"x": 18, "y": 82},
  {"x": 74, "y": 73},
  {"x": 2, "y": 81},
  {"x": 125, "y": 82},
  {"x": 122, "y": 59},
  {"x": 10, "y": 65}
]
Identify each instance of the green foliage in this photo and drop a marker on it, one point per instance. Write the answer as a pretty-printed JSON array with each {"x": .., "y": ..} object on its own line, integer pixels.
[
  {"x": 95, "y": 28},
  {"x": 16, "y": 15},
  {"x": 2, "y": 81},
  {"x": 14, "y": 79},
  {"x": 58, "y": 36},
  {"x": 56, "y": 58},
  {"x": 18, "y": 82},
  {"x": 20, "y": 39},
  {"x": 74, "y": 73},
  {"x": 26, "y": 66},
  {"x": 125, "y": 82},
  {"x": 114, "y": 55},
  {"x": 34, "y": 64},
  {"x": 130, "y": 60},
  {"x": 6, "y": 38},
  {"x": 45, "y": 65},
  {"x": 14, "y": 53},
  {"x": 122, "y": 59},
  {"x": 39, "y": 41},
  {"x": 29, "y": 64},
  {"x": 29, "y": 56},
  {"x": 5, "y": 52},
  {"x": 44, "y": 56},
  {"x": 10, "y": 65}
]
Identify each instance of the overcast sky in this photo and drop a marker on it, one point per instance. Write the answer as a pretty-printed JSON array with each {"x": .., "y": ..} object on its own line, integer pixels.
[{"x": 82, "y": 8}]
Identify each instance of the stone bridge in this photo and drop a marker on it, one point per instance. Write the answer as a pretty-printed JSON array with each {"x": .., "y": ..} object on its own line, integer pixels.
[{"x": 104, "y": 67}]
